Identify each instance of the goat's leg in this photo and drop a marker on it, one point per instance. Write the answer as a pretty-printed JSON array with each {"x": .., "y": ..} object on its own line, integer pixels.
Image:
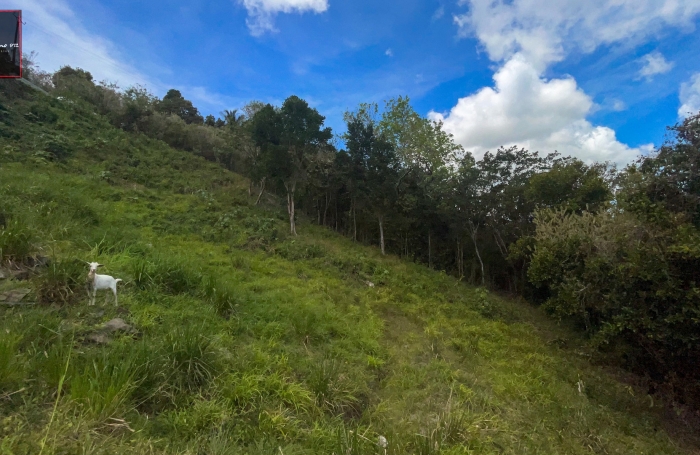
[{"x": 115, "y": 296}]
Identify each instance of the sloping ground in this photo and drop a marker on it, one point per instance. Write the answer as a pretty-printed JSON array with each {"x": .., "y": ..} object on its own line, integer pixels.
[{"x": 244, "y": 340}]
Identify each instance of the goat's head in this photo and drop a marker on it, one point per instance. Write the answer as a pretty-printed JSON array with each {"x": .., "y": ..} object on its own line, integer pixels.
[{"x": 94, "y": 265}]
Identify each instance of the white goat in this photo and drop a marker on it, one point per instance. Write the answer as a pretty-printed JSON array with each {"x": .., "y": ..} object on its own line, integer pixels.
[{"x": 96, "y": 282}]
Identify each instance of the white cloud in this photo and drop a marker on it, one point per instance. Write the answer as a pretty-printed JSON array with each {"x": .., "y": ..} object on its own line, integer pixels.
[
  {"x": 261, "y": 13},
  {"x": 389, "y": 53},
  {"x": 544, "y": 34},
  {"x": 525, "y": 38},
  {"x": 654, "y": 63},
  {"x": 618, "y": 106},
  {"x": 438, "y": 13},
  {"x": 690, "y": 96},
  {"x": 526, "y": 110},
  {"x": 55, "y": 32}
]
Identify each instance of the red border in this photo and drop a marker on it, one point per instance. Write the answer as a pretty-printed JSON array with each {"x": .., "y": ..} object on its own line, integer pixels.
[{"x": 19, "y": 23}]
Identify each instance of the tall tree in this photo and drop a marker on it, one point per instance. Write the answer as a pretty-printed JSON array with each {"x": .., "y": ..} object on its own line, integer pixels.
[
  {"x": 173, "y": 103},
  {"x": 376, "y": 168},
  {"x": 289, "y": 138}
]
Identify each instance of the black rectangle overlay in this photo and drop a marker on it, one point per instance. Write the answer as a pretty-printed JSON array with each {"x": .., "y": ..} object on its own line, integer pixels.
[{"x": 10, "y": 43}]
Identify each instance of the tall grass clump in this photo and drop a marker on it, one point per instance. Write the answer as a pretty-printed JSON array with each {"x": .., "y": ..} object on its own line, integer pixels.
[
  {"x": 10, "y": 365},
  {"x": 333, "y": 389},
  {"x": 63, "y": 282},
  {"x": 16, "y": 240},
  {"x": 168, "y": 274},
  {"x": 102, "y": 385},
  {"x": 220, "y": 295},
  {"x": 49, "y": 363},
  {"x": 189, "y": 360}
]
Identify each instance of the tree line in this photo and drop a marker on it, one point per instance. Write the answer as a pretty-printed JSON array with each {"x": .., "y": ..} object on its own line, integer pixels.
[{"x": 615, "y": 251}]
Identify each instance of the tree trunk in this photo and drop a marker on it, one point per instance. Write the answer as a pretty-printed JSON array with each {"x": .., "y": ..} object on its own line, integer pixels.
[
  {"x": 430, "y": 253},
  {"x": 473, "y": 230},
  {"x": 325, "y": 210},
  {"x": 460, "y": 256},
  {"x": 354, "y": 220},
  {"x": 290, "y": 206},
  {"x": 262, "y": 190},
  {"x": 250, "y": 188},
  {"x": 381, "y": 233}
]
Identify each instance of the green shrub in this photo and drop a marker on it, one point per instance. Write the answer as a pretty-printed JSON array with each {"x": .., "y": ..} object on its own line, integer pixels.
[
  {"x": 294, "y": 250},
  {"x": 43, "y": 113},
  {"x": 58, "y": 148},
  {"x": 630, "y": 283}
]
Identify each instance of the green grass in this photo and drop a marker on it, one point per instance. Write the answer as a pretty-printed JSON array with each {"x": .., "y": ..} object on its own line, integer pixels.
[{"x": 251, "y": 342}]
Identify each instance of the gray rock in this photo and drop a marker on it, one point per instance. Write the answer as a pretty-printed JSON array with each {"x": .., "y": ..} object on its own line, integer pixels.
[
  {"x": 13, "y": 296},
  {"x": 111, "y": 327},
  {"x": 99, "y": 338},
  {"x": 117, "y": 325}
]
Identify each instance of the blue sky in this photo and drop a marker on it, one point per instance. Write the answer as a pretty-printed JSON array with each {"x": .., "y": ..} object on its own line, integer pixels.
[{"x": 599, "y": 79}]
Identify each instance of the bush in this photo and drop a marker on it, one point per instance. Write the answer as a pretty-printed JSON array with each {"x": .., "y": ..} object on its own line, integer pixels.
[
  {"x": 629, "y": 283},
  {"x": 58, "y": 148},
  {"x": 43, "y": 113}
]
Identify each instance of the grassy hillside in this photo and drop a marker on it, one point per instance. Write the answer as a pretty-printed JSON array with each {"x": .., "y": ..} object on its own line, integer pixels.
[{"x": 243, "y": 340}]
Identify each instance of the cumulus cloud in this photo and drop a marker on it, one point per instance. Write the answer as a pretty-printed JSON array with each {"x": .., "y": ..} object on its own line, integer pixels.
[
  {"x": 690, "y": 97},
  {"x": 524, "y": 109},
  {"x": 389, "y": 53},
  {"x": 55, "y": 32},
  {"x": 261, "y": 13},
  {"x": 438, "y": 13},
  {"x": 545, "y": 34},
  {"x": 654, "y": 63}
]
